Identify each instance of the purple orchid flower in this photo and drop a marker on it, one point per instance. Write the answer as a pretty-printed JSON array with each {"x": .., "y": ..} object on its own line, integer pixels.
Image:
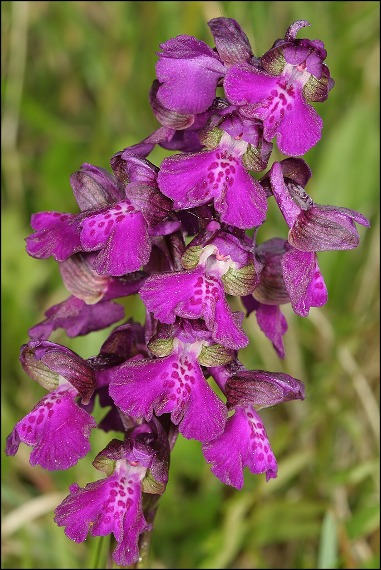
[
  {"x": 57, "y": 428},
  {"x": 222, "y": 264},
  {"x": 115, "y": 212},
  {"x": 292, "y": 74},
  {"x": 219, "y": 174},
  {"x": 111, "y": 505},
  {"x": 313, "y": 227},
  {"x": 114, "y": 504},
  {"x": 173, "y": 382},
  {"x": 244, "y": 442}
]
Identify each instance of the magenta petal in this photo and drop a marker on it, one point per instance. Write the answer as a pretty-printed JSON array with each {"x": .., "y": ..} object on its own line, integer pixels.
[
  {"x": 244, "y": 85},
  {"x": 83, "y": 507},
  {"x": 226, "y": 326},
  {"x": 273, "y": 324},
  {"x": 244, "y": 443},
  {"x": 242, "y": 203},
  {"x": 141, "y": 387},
  {"x": 77, "y": 318},
  {"x": 127, "y": 552},
  {"x": 196, "y": 179},
  {"x": 317, "y": 291},
  {"x": 189, "y": 71},
  {"x": 166, "y": 295},
  {"x": 290, "y": 210},
  {"x": 56, "y": 235},
  {"x": 188, "y": 180},
  {"x": 300, "y": 128},
  {"x": 57, "y": 429},
  {"x": 303, "y": 280},
  {"x": 205, "y": 415},
  {"x": 121, "y": 236}
]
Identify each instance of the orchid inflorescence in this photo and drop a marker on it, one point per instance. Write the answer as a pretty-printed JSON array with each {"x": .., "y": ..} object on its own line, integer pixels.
[{"x": 184, "y": 237}]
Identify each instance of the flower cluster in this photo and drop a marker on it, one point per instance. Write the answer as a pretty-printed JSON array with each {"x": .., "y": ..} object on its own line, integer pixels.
[{"x": 184, "y": 237}]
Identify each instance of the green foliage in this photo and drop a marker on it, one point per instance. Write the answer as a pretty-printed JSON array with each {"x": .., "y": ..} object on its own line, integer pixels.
[{"x": 75, "y": 82}]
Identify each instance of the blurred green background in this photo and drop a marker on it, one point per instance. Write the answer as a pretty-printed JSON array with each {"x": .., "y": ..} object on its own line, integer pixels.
[{"x": 75, "y": 81}]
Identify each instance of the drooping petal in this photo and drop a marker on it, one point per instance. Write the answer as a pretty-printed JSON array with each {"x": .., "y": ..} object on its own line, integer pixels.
[
  {"x": 57, "y": 429},
  {"x": 226, "y": 326},
  {"x": 290, "y": 210},
  {"x": 303, "y": 280},
  {"x": 244, "y": 443},
  {"x": 300, "y": 128},
  {"x": 126, "y": 551},
  {"x": 242, "y": 201},
  {"x": 273, "y": 324},
  {"x": 77, "y": 318}
]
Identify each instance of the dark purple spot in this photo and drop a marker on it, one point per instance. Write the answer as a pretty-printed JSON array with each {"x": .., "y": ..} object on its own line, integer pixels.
[{"x": 275, "y": 107}]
